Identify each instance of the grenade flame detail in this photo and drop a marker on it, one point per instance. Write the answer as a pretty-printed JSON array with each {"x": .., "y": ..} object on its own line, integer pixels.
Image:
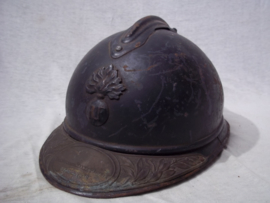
[{"x": 104, "y": 81}]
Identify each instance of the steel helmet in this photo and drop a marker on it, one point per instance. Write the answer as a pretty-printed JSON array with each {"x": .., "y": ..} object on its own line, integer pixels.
[{"x": 144, "y": 110}]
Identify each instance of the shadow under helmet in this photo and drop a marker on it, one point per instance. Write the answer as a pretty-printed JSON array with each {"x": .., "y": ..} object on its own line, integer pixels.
[{"x": 143, "y": 111}]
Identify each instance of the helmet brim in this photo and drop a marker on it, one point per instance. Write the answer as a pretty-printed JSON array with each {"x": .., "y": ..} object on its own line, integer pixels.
[{"x": 86, "y": 170}]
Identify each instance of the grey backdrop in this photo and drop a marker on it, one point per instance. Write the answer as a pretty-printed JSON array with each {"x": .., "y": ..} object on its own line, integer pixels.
[{"x": 41, "y": 42}]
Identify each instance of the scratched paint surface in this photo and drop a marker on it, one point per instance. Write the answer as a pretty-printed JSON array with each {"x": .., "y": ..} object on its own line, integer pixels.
[{"x": 173, "y": 95}]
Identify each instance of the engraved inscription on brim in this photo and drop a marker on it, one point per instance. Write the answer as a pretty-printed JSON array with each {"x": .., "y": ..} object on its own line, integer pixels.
[{"x": 82, "y": 168}]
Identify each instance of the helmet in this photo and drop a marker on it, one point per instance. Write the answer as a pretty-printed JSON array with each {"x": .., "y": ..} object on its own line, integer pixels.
[{"x": 143, "y": 111}]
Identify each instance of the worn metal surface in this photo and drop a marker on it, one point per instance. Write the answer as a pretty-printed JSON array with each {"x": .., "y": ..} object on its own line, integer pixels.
[
  {"x": 173, "y": 95},
  {"x": 86, "y": 170},
  {"x": 144, "y": 111}
]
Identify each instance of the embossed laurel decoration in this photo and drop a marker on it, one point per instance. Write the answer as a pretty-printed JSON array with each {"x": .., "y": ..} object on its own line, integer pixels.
[
  {"x": 105, "y": 81},
  {"x": 147, "y": 171},
  {"x": 86, "y": 168}
]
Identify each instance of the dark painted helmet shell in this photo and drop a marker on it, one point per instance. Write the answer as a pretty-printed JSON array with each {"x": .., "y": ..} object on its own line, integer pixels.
[{"x": 145, "y": 90}]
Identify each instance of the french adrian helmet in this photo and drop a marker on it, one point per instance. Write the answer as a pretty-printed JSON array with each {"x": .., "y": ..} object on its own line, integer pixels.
[{"x": 144, "y": 110}]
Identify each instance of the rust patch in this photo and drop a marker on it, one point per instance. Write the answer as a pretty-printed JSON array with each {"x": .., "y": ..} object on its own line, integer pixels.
[
  {"x": 150, "y": 67},
  {"x": 180, "y": 55},
  {"x": 134, "y": 70},
  {"x": 139, "y": 86},
  {"x": 151, "y": 125},
  {"x": 128, "y": 70},
  {"x": 138, "y": 44}
]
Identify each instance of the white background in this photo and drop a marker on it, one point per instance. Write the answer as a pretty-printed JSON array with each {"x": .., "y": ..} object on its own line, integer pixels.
[{"x": 41, "y": 43}]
